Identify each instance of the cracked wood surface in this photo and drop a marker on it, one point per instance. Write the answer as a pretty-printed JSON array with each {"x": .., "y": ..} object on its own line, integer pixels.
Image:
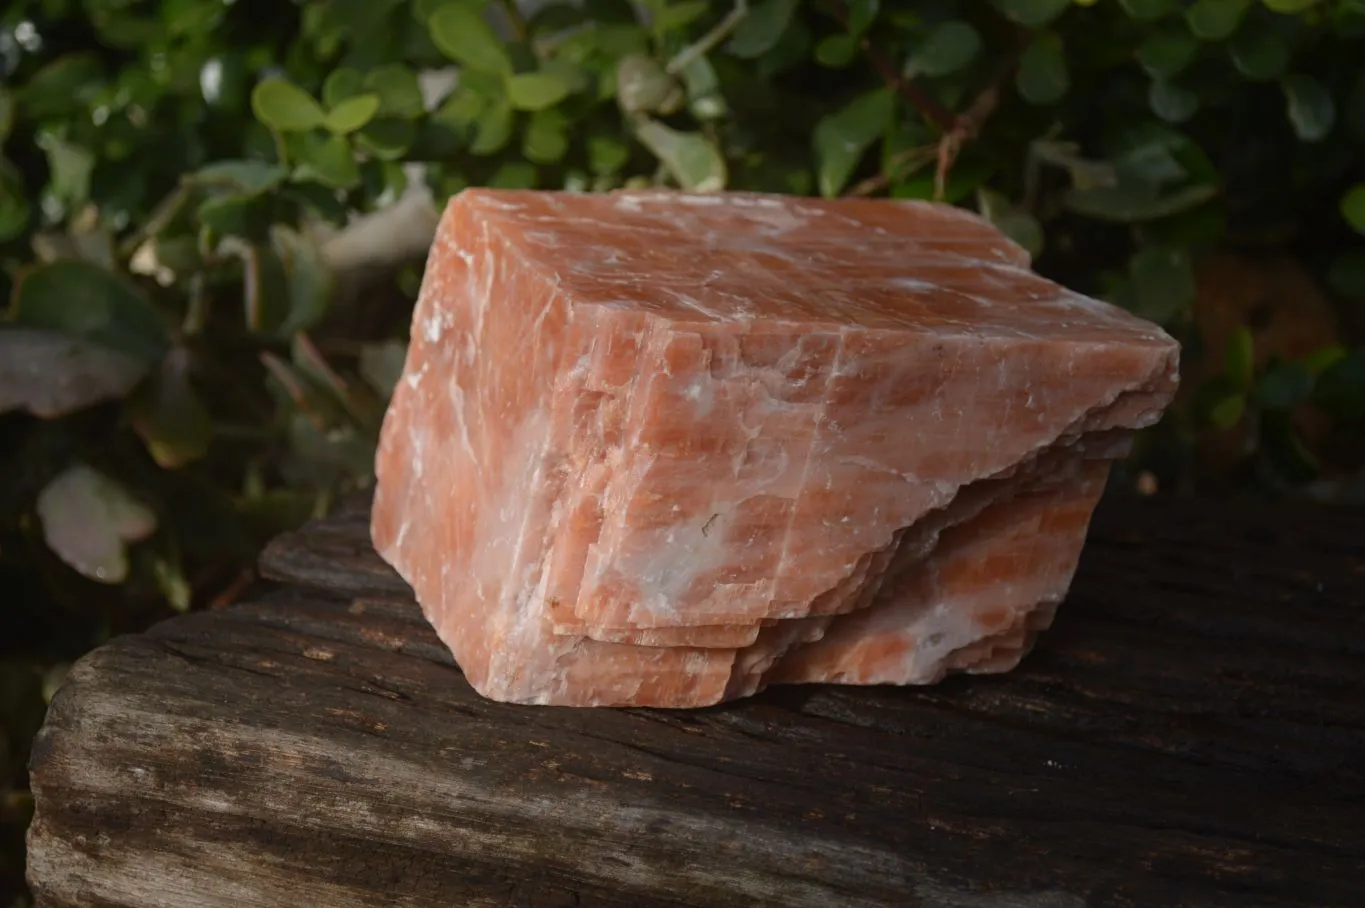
[{"x": 1190, "y": 732}]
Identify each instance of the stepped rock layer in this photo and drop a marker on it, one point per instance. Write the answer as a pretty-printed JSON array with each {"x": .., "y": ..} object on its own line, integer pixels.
[{"x": 661, "y": 449}]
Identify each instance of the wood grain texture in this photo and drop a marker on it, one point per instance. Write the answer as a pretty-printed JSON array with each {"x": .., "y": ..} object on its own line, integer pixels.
[{"x": 1191, "y": 732}]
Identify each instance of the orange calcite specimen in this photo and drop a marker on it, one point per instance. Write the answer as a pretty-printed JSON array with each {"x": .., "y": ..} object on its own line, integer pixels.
[{"x": 660, "y": 449}]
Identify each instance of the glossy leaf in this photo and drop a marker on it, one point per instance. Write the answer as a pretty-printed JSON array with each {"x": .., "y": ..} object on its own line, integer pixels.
[
  {"x": 1352, "y": 207},
  {"x": 1309, "y": 106},
  {"x": 285, "y": 107},
  {"x": 1162, "y": 283},
  {"x": 352, "y": 114},
  {"x": 84, "y": 300},
  {"x": 342, "y": 84},
  {"x": 463, "y": 35},
  {"x": 50, "y": 374},
  {"x": 330, "y": 161},
  {"x": 546, "y": 138},
  {"x": 14, "y": 206},
  {"x": 1032, "y": 13},
  {"x": 1042, "y": 77},
  {"x": 842, "y": 138},
  {"x": 948, "y": 48},
  {"x": 1148, "y": 10},
  {"x": 836, "y": 51},
  {"x": 89, "y": 519},
  {"x": 690, "y": 157},
  {"x": 861, "y": 13},
  {"x": 400, "y": 94},
  {"x": 760, "y": 30},
  {"x": 1260, "y": 53},
  {"x": 536, "y": 90},
  {"x": 1171, "y": 102},
  {"x": 1215, "y": 20},
  {"x": 169, "y": 416},
  {"x": 1167, "y": 52},
  {"x": 1241, "y": 357}
]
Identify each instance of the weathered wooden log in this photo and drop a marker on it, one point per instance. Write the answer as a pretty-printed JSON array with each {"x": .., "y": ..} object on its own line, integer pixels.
[{"x": 1191, "y": 732}]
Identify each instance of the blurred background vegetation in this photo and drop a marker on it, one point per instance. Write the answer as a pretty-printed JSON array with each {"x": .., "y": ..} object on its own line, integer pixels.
[{"x": 213, "y": 215}]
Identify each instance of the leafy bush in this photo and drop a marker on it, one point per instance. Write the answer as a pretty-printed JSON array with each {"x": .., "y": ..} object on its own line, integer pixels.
[{"x": 213, "y": 214}]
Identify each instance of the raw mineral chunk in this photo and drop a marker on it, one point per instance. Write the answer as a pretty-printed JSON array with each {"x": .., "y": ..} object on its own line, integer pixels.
[{"x": 663, "y": 449}]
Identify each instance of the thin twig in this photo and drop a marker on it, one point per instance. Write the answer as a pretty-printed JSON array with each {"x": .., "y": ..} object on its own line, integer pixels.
[
  {"x": 931, "y": 109},
  {"x": 708, "y": 41},
  {"x": 966, "y": 128},
  {"x": 918, "y": 156}
]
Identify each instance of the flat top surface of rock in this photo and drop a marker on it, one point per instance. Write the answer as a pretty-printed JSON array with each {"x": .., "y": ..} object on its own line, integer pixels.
[{"x": 755, "y": 259}]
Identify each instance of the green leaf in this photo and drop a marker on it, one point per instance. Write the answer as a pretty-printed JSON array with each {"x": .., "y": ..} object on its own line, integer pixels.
[
  {"x": 284, "y": 107},
  {"x": 950, "y": 47},
  {"x": 704, "y": 97},
  {"x": 169, "y": 416},
  {"x": 842, "y": 138},
  {"x": 1285, "y": 450},
  {"x": 329, "y": 160},
  {"x": 860, "y": 15},
  {"x": 1032, "y": 13},
  {"x": 1283, "y": 386},
  {"x": 493, "y": 128},
  {"x": 1310, "y": 107},
  {"x": 1171, "y": 102},
  {"x": 836, "y": 51},
  {"x": 690, "y": 157},
  {"x": 69, "y": 169},
  {"x": 1042, "y": 77},
  {"x": 387, "y": 138},
  {"x": 1162, "y": 283},
  {"x": 352, "y": 114},
  {"x": 1135, "y": 203},
  {"x": 84, "y": 300},
  {"x": 342, "y": 85},
  {"x": 400, "y": 94},
  {"x": 14, "y": 208},
  {"x": 1147, "y": 10},
  {"x": 237, "y": 214},
  {"x": 546, "y": 138},
  {"x": 759, "y": 31},
  {"x": 1341, "y": 387},
  {"x": 1215, "y": 20},
  {"x": 1167, "y": 52},
  {"x": 1228, "y": 411},
  {"x": 50, "y": 374},
  {"x": 89, "y": 519},
  {"x": 1015, "y": 223},
  {"x": 1289, "y": 6},
  {"x": 1261, "y": 53},
  {"x": 308, "y": 282},
  {"x": 463, "y": 35},
  {"x": 244, "y": 176},
  {"x": 672, "y": 16},
  {"x": 1353, "y": 207},
  {"x": 1347, "y": 274},
  {"x": 1241, "y": 357},
  {"x": 62, "y": 86},
  {"x": 514, "y": 175},
  {"x": 6, "y": 113},
  {"x": 536, "y": 90},
  {"x": 607, "y": 154}
]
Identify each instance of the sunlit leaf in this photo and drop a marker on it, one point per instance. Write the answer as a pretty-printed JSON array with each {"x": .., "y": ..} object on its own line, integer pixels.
[{"x": 50, "y": 374}]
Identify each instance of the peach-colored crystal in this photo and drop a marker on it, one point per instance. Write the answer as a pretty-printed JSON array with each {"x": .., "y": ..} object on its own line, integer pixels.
[{"x": 662, "y": 449}]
